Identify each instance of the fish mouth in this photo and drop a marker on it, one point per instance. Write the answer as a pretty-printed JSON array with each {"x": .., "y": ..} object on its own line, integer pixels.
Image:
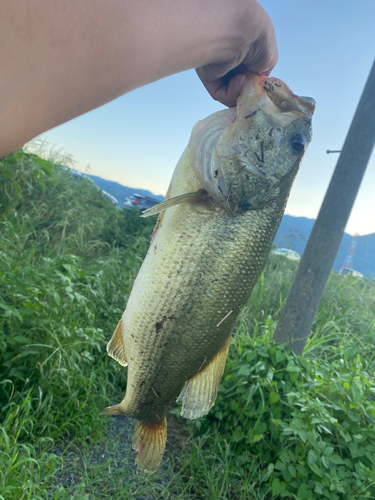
[
  {"x": 274, "y": 97},
  {"x": 216, "y": 141}
]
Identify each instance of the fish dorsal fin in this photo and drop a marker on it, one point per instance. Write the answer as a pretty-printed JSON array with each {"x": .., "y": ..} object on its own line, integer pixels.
[
  {"x": 199, "y": 394},
  {"x": 115, "y": 347},
  {"x": 172, "y": 202}
]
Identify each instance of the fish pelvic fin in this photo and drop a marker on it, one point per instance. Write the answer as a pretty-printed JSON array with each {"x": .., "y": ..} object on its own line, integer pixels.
[
  {"x": 172, "y": 202},
  {"x": 113, "y": 410},
  {"x": 199, "y": 394},
  {"x": 116, "y": 348},
  {"x": 149, "y": 441}
]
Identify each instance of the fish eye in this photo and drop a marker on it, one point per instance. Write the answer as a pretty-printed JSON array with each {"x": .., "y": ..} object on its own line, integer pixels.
[{"x": 298, "y": 143}]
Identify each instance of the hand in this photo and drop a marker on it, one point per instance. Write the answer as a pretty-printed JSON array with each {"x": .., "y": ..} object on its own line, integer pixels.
[
  {"x": 80, "y": 55},
  {"x": 257, "y": 52}
]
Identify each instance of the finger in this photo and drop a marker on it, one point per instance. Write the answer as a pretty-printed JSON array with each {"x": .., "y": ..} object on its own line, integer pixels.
[{"x": 225, "y": 92}]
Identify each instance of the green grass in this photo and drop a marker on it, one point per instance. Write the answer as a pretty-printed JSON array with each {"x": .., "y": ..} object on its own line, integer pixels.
[{"x": 68, "y": 259}]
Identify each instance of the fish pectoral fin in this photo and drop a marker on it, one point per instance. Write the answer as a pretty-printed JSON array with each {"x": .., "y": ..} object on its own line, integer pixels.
[
  {"x": 172, "y": 202},
  {"x": 149, "y": 441},
  {"x": 199, "y": 394},
  {"x": 116, "y": 348}
]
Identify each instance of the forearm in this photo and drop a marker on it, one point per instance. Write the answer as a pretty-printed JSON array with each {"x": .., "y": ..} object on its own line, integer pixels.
[{"x": 61, "y": 59}]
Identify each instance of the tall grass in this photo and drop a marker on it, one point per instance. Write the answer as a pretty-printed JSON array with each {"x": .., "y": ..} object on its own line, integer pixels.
[{"x": 67, "y": 261}]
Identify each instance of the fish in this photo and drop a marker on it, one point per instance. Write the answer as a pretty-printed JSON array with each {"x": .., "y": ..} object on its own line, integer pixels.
[{"x": 215, "y": 230}]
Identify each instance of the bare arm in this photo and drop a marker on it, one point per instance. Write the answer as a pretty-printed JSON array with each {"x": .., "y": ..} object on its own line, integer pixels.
[{"x": 59, "y": 60}]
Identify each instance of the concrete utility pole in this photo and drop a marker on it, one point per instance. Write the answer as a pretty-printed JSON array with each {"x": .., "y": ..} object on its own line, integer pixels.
[{"x": 316, "y": 264}]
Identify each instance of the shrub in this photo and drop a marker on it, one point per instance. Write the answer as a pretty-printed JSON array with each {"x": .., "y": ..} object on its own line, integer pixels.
[
  {"x": 309, "y": 423},
  {"x": 64, "y": 284}
]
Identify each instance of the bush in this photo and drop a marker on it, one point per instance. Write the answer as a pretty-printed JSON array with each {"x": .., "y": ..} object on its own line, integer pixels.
[
  {"x": 309, "y": 423},
  {"x": 64, "y": 283}
]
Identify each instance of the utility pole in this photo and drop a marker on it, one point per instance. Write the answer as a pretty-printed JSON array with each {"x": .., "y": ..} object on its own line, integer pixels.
[{"x": 316, "y": 264}]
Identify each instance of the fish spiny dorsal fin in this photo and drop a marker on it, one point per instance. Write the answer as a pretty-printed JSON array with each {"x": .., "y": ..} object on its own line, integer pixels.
[
  {"x": 199, "y": 394},
  {"x": 115, "y": 347},
  {"x": 172, "y": 202},
  {"x": 149, "y": 441}
]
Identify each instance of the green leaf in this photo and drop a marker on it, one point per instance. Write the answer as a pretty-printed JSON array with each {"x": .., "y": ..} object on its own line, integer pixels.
[
  {"x": 57, "y": 298},
  {"x": 319, "y": 488},
  {"x": 280, "y": 356},
  {"x": 20, "y": 339},
  {"x": 304, "y": 493},
  {"x": 238, "y": 434},
  {"x": 336, "y": 459},
  {"x": 345, "y": 435},
  {"x": 279, "y": 465},
  {"x": 356, "y": 390},
  {"x": 311, "y": 457},
  {"x": 292, "y": 471},
  {"x": 257, "y": 437},
  {"x": 302, "y": 470},
  {"x": 277, "y": 487},
  {"x": 271, "y": 350},
  {"x": 328, "y": 450},
  {"x": 315, "y": 468},
  {"x": 292, "y": 367},
  {"x": 274, "y": 398},
  {"x": 303, "y": 435},
  {"x": 11, "y": 311},
  {"x": 46, "y": 165}
]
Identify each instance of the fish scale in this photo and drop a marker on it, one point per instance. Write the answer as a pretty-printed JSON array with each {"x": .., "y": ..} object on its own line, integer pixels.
[
  {"x": 214, "y": 233},
  {"x": 196, "y": 320}
]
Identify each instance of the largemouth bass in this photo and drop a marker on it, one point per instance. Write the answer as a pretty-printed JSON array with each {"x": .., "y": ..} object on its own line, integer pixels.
[{"x": 210, "y": 243}]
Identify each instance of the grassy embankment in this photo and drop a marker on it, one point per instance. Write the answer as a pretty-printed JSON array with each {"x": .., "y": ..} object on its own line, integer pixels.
[{"x": 282, "y": 427}]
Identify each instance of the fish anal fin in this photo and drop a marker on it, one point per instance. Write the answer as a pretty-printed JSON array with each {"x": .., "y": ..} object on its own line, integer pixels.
[
  {"x": 149, "y": 441},
  {"x": 115, "y": 347},
  {"x": 172, "y": 202},
  {"x": 199, "y": 394}
]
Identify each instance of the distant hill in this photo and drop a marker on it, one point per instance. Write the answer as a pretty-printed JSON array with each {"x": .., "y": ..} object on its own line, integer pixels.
[
  {"x": 293, "y": 232},
  {"x": 119, "y": 191}
]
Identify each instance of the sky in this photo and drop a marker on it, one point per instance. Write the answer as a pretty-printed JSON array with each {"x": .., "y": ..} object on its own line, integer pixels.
[{"x": 326, "y": 52}]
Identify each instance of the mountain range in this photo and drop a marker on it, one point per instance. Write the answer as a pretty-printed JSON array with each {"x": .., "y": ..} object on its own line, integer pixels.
[
  {"x": 293, "y": 232},
  {"x": 119, "y": 191}
]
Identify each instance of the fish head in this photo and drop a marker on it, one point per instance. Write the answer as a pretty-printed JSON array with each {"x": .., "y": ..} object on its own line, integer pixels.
[{"x": 248, "y": 158}]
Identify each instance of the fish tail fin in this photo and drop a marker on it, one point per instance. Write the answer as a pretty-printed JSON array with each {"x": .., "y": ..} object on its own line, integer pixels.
[
  {"x": 113, "y": 410},
  {"x": 149, "y": 441}
]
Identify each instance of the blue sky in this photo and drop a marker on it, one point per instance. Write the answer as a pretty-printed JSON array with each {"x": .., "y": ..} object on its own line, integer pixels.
[{"x": 326, "y": 52}]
